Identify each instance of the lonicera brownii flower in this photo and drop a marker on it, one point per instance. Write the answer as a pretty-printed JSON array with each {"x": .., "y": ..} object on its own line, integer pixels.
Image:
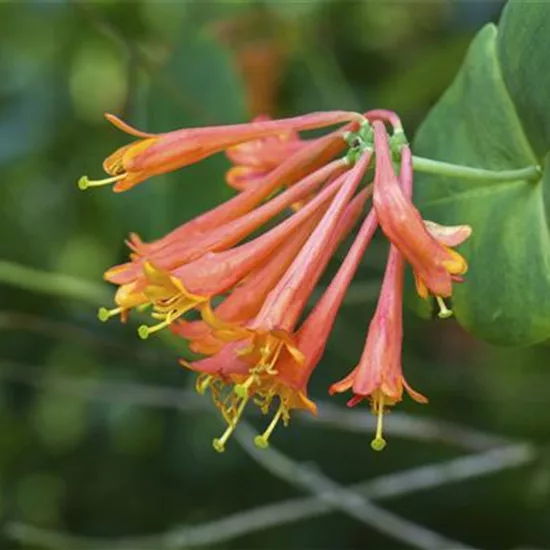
[
  {"x": 173, "y": 293},
  {"x": 155, "y": 154},
  {"x": 255, "y": 160},
  {"x": 209, "y": 256},
  {"x": 268, "y": 338},
  {"x": 251, "y": 285},
  {"x": 292, "y": 377},
  {"x": 379, "y": 376},
  {"x": 281, "y": 310},
  {"x": 181, "y": 251},
  {"x": 244, "y": 303},
  {"x": 310, "y": 158},
  {"x": 435, "y": 265}
]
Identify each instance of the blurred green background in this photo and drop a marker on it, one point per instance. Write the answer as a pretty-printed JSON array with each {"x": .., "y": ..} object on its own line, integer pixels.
[{"x": 81, "y": 455}]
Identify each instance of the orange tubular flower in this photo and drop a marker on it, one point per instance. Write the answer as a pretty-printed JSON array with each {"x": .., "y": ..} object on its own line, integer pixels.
[
  {"x": 254, "y": 160},
  {"x": 290, "y": 381},
  {"x": 250, "y": 275},
  {"x": 244, "y": 303},
  {"x": 174, "y": 257},
  {"x": 284, "y": 373},
  {"x": 173, "y": 293},
  {"x": 312, "y": 157},
  {"x": 269, "y": 337},
  {"x": 155, "y": 154},
  {"x": 379, "y": 376},
  {"x": 435, "y": 265},
  {"x": 179, "y": 252}
]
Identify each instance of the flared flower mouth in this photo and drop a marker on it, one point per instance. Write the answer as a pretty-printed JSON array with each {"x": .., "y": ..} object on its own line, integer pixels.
[
  {"x": 119, "y": 164},
  {"x": 169, "y": 298},
  {"x": 426, "y": 246},
  {"x": 233, "y": 384}
]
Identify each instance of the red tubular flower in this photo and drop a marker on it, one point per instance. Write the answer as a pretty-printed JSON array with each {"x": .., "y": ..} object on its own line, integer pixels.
[
  {"x": 435, "y": 265},
  {"x": 192, "y": 285},
  {"x": 251, "y": 291},
  {"x": 312, "y": 157},
  {"x": 286, "y": 302},
  {"x": 378, "y": 376},
  {"x": 268, "y": 339},
  {"x": 254, "y": 160},
  {"x": 244, "y": 303},
  {"x": 179, "y": 252},
  {"x": 292, "y": 377},
  {"x": 155, "y": 154}
]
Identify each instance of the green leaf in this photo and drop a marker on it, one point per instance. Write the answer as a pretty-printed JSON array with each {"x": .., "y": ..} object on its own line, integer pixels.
[
  {"x": 523, "y": 45},
  {"x": 496, "y": 115}
]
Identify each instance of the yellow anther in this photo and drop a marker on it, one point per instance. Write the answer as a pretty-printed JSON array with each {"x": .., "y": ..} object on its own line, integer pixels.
[
  {"x": 144, "y": 331},
  {"x": 378, "y": 443},
  {"x": 242, "y": 389},
  {"x": 219, "y": 442},
  {"x": 84, "y": 182},
  {"x": 262, "y": 441},
  {"x": 104, "y": 314},
  {"x": 444, "y": 311}
]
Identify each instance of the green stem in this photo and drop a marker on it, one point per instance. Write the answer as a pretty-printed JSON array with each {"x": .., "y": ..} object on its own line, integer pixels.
[
  {"x": 430, "y": 166},
  {"x": 57, "y": 284},
  {"x": 69, "y": 287}
]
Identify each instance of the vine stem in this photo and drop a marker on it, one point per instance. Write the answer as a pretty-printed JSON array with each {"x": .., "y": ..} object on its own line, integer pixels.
[
  {"x": 429, "y": 166},
  {"x": 57, "y": 284}
]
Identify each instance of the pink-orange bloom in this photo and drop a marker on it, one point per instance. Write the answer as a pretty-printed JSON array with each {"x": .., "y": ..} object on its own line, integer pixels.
[
  {"x": 290, "y": 381},
  {"x": 270, "y": 330},
  {"x": 313, "y": 156},
  {"x": 435, "y": 265},
  {"x": 250, "y": 275},
  {"x": 155, "y": 154},
  {"x": 173, "y": 293},
  {"x": 268, "y": 339},
  {"x": 254, "y": 160},
  {"x": 379, "y": 376},
  {"x": 245, "y": 301},
  {"x": 180, "y": 251}
]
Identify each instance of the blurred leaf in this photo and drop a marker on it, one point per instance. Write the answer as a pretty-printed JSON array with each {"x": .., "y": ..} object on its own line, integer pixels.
[
  {"x": 197, "y": 86},
  {"x": 506, "y": 298},
  {"x": 421, "y": 82}
]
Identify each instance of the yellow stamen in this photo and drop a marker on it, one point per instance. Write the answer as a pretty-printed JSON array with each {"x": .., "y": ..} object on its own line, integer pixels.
[
  {"x": 144, "y": 331},
  {"x": 202, "y": 384},
  {"x": 262, "y": 441},
  {"x": 267, "y": 364},
  {"x": 242, "y": 389},
  {"x": 84, "y": 182},
  {"x": 378, "y": 443},
  {"x": 444, "y": 311},
  {"x": 104, "y": 314},
  {"x": 219, "y": 442}
]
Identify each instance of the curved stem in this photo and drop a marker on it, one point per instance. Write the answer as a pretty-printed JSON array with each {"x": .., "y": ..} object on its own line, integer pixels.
[{"x": 430, "y": 166}]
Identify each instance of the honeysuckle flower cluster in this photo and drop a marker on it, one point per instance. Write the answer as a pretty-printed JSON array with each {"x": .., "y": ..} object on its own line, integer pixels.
[{"x": 251, "y": 288}]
